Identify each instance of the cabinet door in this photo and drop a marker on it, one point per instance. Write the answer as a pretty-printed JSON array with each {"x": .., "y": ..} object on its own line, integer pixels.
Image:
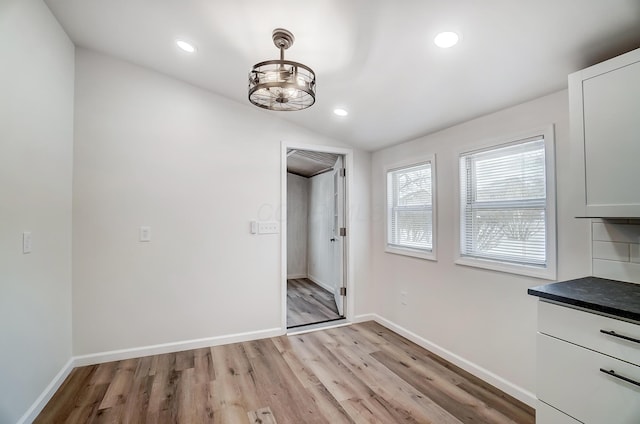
[
  {"x": 548, "y": 415},
  {"x": 605, "y": 114},
  {"x": 570, "y": 380}
]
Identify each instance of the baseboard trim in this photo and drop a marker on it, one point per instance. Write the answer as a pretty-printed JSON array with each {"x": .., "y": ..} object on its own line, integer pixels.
[
  {"x": 495, "y": 380},
  {"x": 137, "y": 352},
  {"x": 366, "y": 317},
  {"x": 296, "y": 276},
  {"x": 320, "y": 283},
  {"x": 47, "y": 393}
]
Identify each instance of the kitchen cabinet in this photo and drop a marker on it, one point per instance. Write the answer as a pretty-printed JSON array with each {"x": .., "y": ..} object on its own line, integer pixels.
[
  {"x": 586, "y": 374},
  {"x": 548, "y": 415},
  {"x": 588, "y": 352},
  {"x": 604, "y": 102}
]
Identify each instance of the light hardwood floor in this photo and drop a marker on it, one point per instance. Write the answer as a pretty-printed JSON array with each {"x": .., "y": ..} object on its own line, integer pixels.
[
  {"x": 362, "y": 373},
  {"x": 308, "y": 303}
]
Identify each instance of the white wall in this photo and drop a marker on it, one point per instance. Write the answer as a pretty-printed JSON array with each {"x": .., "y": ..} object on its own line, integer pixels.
[
  {"x": 360, "y": 215},
  {"x": 616, "y": 249},
  {"x": 485, "y": 318},
  {"x": 320, "y": 257},
  {"x": 196, "y": 168},
  {"x": 36, "y": 136},
  {"x": 297, "y": 217}
]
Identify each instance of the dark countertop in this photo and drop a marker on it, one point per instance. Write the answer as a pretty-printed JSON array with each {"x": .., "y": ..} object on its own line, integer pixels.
[{"x": 610, "y": 297}]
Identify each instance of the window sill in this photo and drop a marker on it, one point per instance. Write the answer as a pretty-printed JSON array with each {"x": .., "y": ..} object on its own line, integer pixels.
[
  {"x": 414, "y": 253},
  {"x": 526, "y": 270}
]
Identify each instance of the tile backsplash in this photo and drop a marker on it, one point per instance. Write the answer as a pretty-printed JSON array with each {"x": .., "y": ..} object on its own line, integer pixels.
[{"x": 616, "y": 249}]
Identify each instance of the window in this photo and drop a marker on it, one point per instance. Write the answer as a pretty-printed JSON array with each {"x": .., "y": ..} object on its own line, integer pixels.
[
  {"x": 507, "y": 206},
  {"x": 410, "y": 209}
]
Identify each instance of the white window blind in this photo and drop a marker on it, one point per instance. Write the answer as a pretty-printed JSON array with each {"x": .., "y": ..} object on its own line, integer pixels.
[
  {"x": 503, "y": 203},
  {"x": 410, "y": 207}
]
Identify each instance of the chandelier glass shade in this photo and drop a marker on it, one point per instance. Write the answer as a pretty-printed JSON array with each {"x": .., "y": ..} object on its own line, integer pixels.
[{"x": 282, "y": 85}]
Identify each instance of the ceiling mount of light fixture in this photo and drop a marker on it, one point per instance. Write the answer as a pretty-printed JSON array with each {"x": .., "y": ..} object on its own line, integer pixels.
[
  {"x": 282, "y": 84},
  {"x": 283, "y": 39}
]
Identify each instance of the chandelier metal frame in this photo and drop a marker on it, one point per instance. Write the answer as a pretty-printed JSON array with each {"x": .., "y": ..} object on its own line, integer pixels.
[{"x": 282, "y": 85}]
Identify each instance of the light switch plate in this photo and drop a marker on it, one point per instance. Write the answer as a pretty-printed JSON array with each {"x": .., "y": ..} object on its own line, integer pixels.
[
  {"x": 27, "y": 243},
  {"x": 268, "y": 227},
  {"x": 145, "y": 233}
]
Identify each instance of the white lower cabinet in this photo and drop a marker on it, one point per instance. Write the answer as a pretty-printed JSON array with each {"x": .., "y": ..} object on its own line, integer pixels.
[
  {"x": 549, "y": 415},
  {"x": 577, "y": 382}
]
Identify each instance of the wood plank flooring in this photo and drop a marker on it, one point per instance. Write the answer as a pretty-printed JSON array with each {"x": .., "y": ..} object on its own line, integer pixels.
[
  {"x": 308, "y": 303},
  {"x": 362, "y": 373}
]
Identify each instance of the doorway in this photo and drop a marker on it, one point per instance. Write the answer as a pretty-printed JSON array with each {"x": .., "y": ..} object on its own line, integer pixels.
[{"x": 316, "y": 242}]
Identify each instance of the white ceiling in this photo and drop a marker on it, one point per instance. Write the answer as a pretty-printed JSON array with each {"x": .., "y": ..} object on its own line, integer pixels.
[{"x": 375, "y": 58}]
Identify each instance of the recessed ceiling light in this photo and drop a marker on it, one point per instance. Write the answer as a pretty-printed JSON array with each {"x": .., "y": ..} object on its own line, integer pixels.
[
  {"x": 189, "y": 48},
  {"x": 340, "y": 112},
  {"x": 446, "y": 39}
]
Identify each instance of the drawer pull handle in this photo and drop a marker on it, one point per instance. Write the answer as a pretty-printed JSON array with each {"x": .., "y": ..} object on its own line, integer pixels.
[
  {"x": 612, "y": 373},
  {"x": 620, "y": 336}
]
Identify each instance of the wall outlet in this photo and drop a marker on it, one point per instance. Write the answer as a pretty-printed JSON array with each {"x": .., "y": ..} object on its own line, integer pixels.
[
  {"x": 404, "y": 298},
  {"x": 268, "y": 227}
]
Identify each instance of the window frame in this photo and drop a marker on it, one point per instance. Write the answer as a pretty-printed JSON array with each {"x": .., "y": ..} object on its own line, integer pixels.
[
  {"x": 408, "y": 251},
  {"x": 549, "y": 270}
]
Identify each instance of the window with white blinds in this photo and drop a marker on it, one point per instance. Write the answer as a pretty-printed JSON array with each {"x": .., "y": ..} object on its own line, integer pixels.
[
  {"x": 504, "y": 204},
  {"x": 410, "y": 209}
]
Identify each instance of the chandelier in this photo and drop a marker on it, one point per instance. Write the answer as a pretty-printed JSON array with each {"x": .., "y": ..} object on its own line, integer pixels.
[{"x": 282, "y": 84}]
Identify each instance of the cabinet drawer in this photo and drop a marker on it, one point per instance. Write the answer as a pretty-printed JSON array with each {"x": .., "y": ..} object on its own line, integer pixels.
[
  {"x": 569, "y": 379},
  {"x": 548, "y": 415},
  {"x": 583, "y": 328}
]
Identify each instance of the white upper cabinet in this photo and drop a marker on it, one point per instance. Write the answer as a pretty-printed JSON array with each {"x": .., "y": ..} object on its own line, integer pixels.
[{"x": 604, "y": 104}]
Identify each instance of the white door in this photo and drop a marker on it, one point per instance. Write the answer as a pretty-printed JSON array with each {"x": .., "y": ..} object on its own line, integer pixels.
[{"x": 338, "y": 241}]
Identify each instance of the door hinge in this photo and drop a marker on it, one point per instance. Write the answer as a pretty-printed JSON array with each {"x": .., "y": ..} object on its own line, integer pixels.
[
  {"x": 343, "y": 232},
  {"x": 343, "y": 291},
  {"x": 343, "y": 172}
]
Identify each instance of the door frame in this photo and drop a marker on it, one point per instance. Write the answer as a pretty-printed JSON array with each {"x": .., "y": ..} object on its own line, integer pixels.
[{"x": 348, "y": 164}]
